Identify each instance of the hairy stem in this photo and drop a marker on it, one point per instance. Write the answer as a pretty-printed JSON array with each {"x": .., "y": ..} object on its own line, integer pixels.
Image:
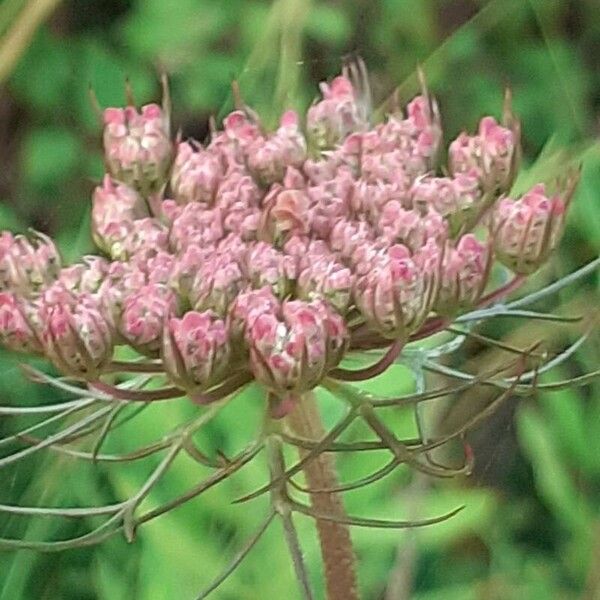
[{"x": 336, "y": 545}]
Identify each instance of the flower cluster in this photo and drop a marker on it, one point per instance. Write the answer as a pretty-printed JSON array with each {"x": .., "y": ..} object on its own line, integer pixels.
[{"x": 271, "y": 254}]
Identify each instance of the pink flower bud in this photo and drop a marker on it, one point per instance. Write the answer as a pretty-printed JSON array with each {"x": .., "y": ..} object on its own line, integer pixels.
[
  {"x": 327, "y": 279},
  {"x": 330, "y": 202},
  {"x": 269, "y": 158},
  {"x": 347, "y": 237},
  {"x": 196, "y": 351},
  {"x": 196, "y": 225},
  {"x": 240, "y": 128},
  {"x": 122, "y": 280},
  {"x": 196, "y": 175},
  {"x": 492, "y": 154},
  {"x": 137, "y": 148},
  {"x": 246, "y": 308},
  {"x": 86, "y": 276},
  {"x": 293, "y": 349},
  {"x": 339, "y": 114},
  {"x": 155, "y": 268},
  {"x": 397, "y": 293},
  {"x": 170, "y": 210},
  {"x": 526, "y": 231},
  {"x": 78, "y": 338},
  {"x": 125, "y": 239},
  {"x": 217, "y": 282},
  {"x": 16, "y": 329},
  {"x": 186, "y": 267},
  {"x": 464, "y": 275},
  {"x": 238, "y": 189},
  {"x": 408, "y": 227},
  {"x": 143, "y": 317},
  {"x": 417, "y": 136},
  {"x": 267, "y": 266},
  {"x": 286, "y": 214},
  {"x": 113, "y": 203},
  {"x": 369, "y": 199},
  {"x": 27, "y": 265}
]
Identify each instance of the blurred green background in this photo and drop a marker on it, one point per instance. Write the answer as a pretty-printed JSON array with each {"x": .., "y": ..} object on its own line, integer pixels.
[{"x": 531, "y": 526}]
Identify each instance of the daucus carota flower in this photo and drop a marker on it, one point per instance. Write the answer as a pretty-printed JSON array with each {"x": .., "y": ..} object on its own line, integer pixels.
[
  {"x": 196, "y": 350},
  {"x": 464, "y": 274},
  {"x": 527, "y": 230},
  {"x": 137, "y": 146},
  {"x": 77, "y": 337},
  {"x": 27, "y": 264},
  {"x": 268, "y": 266},
  {"x": 17, "y": 332},
  {"x": 264, "y": 256},
  {"x": 492, "y": 154},
  {"x": 398, "y": 290},
  {"x": 196, "y": 174},
  {"x": 283, "y": 239},
  {"x": 143, "y": 315},
  {"x": 293, "y": 348},
  {"x": 269, "y": 158},
  {"x": 338, "y": 114}
]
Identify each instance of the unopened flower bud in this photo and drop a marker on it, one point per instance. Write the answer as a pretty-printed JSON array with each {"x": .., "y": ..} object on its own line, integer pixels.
[
  {"x": 464, "y": 275},
  {"x": 459, "y": 199},
  {"x": 292, "y": 350},
  {"x": 196, "y": 175},
  {"x": 125, "y": 239},
  {"x": 267, "y": 266},
  {"x": 286, "y": 214},
  {"x": 28, "y": 264},
  {"x": 397, "y": 293},
  {"x": 137, "y": 148},
  {"x": 114, "y": 202},
  {"x": 408, "y": 227},
  {"x": 85, "y": 276},
  {"x": 78, "y": 338},
  {"x": 493, "y": 154},
  {"x": 526, "y": 231},
  {"x": 348, "y": 236},
  {"x": 16, "y": 329},
  {"x": 143, "y": 316},
  {"x": 246, "y": 308},
  {"x": 196, "y": 225},
  {"x": 337, "y": 115},
  {"x": 327, "y": 279},
  {"x": 196, "y": 351},
  {"x": 269, "y": 158},
  {"x": 217, "y": 282}
]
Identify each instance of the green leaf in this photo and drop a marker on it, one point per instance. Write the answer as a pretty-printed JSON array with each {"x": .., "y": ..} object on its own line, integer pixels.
[
  {"x": 49, "y": 155},
  {"x": 44, "y": 73},
  {"x": 328, "y": 24},
  {"x": 551, "y": 475}
]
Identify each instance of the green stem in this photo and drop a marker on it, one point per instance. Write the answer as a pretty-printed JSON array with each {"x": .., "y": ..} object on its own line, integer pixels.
[{"x": 336, "y": 545}]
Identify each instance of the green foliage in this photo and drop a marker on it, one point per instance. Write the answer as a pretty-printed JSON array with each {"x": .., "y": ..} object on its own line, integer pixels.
[{"x": 533, "y": 537}]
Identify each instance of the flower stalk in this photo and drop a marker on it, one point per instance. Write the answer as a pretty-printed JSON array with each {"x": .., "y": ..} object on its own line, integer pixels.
[{"x": 339, "y": 560}]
